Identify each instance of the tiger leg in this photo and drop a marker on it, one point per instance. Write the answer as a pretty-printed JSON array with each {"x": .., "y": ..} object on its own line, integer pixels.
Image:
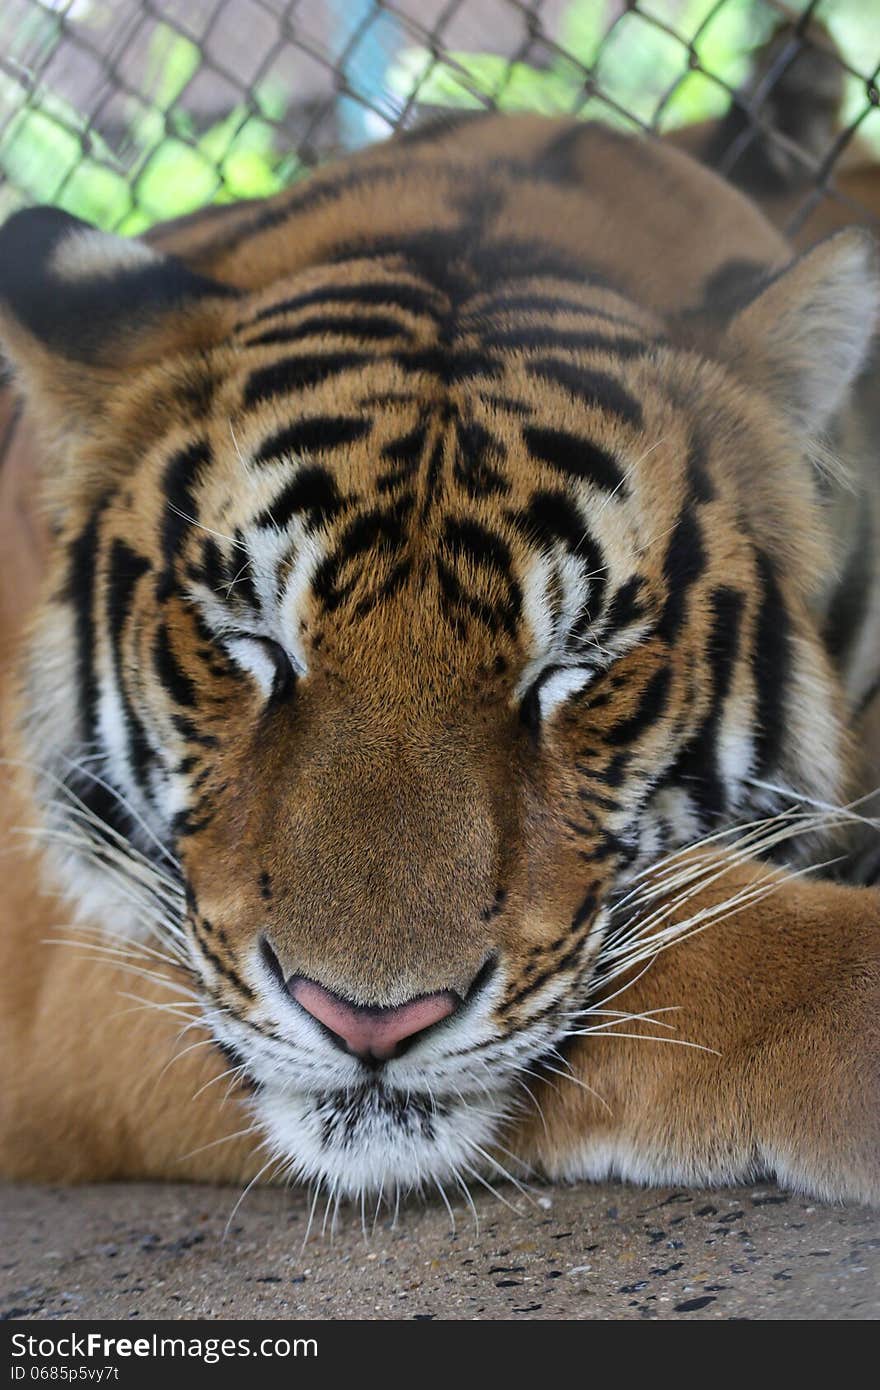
[
  {"x": 786, "y": 994},
  {"x": 104, "y": 1073}
]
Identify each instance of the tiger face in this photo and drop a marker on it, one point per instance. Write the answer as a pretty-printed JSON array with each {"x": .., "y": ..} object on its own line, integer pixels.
[{"x": 435, "y": 548}]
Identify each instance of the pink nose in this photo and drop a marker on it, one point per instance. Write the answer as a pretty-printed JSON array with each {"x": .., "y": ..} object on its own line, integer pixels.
[{"x": 372, "y": 1032}]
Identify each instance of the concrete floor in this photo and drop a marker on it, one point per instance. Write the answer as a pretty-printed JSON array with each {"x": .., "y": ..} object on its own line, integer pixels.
[{"x": 143, "y": 1251}]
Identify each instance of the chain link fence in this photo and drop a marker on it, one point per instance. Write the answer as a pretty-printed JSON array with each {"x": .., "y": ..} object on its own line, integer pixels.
[{"x": 128, "y": 112}]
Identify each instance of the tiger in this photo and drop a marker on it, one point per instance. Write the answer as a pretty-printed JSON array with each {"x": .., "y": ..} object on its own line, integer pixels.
[{"x": 448, "y": 697}]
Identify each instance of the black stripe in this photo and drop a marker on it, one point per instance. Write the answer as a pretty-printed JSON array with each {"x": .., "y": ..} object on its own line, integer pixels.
[
  {"x": 530, "y": 705},
  {"x": 237, "y": 1062},
  {"x": 460, "y": 262},
  {"x": 549, "y": 518},
  {"x": 436, "y": 249},
  {"x": 697, "y": 765},
  {"x": 312, "y": 491},
  {"x": 552, "y": 518},
  {"x": 369, "y": 328},
  {"x": 474, "y": 468},
  {"x": 192, "y": 733},
  {"x": 387, "y": 589},
  {"x": 240, "y": 574},
  {"x": 733, "y": 285},
  {"x": 197, "y": 390},
  {"x": 298, "y": 374},
  {"x": 649, "y": 710},
  {"x": 456, "y": 602},
  {"x": 506, "y": 403},
  {"x": 497, "y": 262},
  {"x": 613, "y": 773},
  {"x": 319, "y": 190},
  {"x": 569, "y": 453},
  {"x": 727, "y": 609},
  {"x": 700, "y": 484},
  {"x": 432, "y": 477},
  {"x": 683, "y": 564},
  {"x": 191, "y": 821},
  {"x": 219, "y": 965},
  {"x": 416, "y": 299},
  {"x": 170, "y": 672},
  {"x": 406, "y": 450},
  {"x": 212, "y": 572},
  {"x": 597, "y": 799},
  {"x": 79, "y": 591},
  {"x": 556, "y": 968},
  {"x": 560, "y": 160},
  {"x": 564, "y": 158},
  {"x": 405, "y": 454},
  {"x": 126, "y": 568},
  {"x": 108, "y": 807},
  {"x": 318, "y": 434},
  {"x": 466, "y": 538},
  {"x": 624, "y": 608},
  {"x": 179, "y": 484},
  {"x": 585, "y": 909},
  {"x": 450, "y": 366},
  {"x": 381, "y": 528},
  {"x": 596, "y": 389},
  {"x": 771, "y": 665}
]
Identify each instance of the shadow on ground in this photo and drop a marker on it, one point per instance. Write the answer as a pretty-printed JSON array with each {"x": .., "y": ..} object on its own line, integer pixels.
[{"x": 144, "y": 1251}]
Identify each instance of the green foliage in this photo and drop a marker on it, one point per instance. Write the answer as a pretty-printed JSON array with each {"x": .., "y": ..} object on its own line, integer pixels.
[
  {"x": 855, "y": 27},
  {"x": 646, "y": 73},
  {"x": 165, "y": 167},
  {"x": 643, "y": 70}
]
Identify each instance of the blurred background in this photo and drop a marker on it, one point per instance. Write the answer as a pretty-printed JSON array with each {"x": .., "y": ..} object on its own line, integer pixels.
[{"x": 128, "y": 112}]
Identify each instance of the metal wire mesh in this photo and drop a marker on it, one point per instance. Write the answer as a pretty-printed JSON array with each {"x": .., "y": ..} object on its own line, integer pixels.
[{"x": 126, "y": 112}]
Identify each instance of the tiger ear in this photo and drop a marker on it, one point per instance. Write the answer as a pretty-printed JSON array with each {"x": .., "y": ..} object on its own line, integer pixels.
[
  {"x": 806, "y": 335},
  {"x": 80, "y": 307}
]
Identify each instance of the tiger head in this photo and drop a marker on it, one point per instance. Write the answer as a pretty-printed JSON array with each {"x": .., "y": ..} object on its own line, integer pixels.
[{"x": 433, "y": 548}]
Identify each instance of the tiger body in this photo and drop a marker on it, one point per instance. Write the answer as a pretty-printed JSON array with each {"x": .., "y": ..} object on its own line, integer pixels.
[{"x": 438, "y": 551}]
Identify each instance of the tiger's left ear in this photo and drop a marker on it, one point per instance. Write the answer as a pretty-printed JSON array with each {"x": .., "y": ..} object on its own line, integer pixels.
[
  {"x": 807, "y": 334},
  {"x": 79, "y": 306}
]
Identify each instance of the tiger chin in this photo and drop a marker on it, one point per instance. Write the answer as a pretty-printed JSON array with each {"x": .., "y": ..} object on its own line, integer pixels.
[{"x": 459, "y": 631}]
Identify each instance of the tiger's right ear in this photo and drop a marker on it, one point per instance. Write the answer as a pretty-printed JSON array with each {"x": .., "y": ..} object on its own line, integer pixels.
[
  {"x": 807, "y": 333},
  {"x": 79, "y": 308}
]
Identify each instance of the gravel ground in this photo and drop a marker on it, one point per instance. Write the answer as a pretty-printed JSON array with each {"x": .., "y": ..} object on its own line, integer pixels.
[{"x": 597, "y": 1251}]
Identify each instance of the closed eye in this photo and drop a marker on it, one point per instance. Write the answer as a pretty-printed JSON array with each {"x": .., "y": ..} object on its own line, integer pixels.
[
  {"x": 267, "y": 661},
  {"x": 549, "y": 689}
]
